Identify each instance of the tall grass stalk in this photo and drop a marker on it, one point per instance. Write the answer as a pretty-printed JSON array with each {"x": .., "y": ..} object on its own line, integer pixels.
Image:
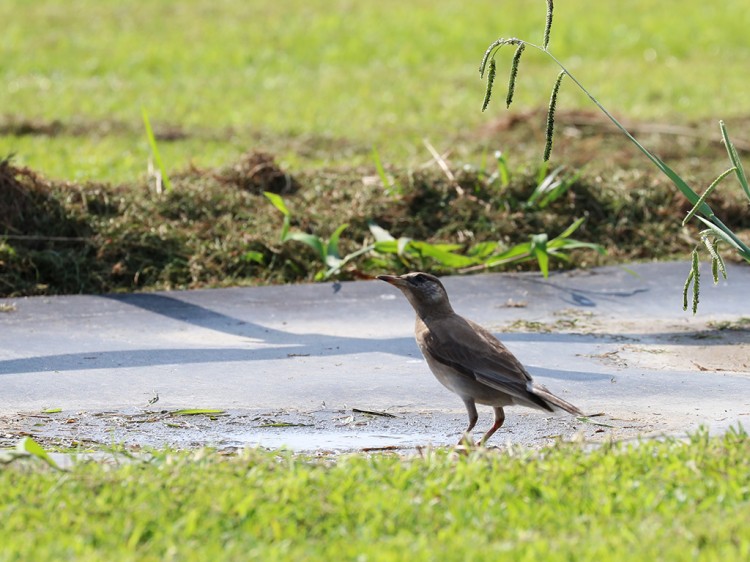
[{"x": 701, "y": 210}]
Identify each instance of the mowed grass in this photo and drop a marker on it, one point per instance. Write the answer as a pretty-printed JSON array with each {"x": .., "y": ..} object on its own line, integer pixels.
[
  {"x": 230, "y": 75},
  {"x": 647, "y": 501}
]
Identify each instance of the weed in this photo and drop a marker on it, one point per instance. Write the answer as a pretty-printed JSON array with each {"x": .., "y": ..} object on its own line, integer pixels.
[
  {"x": 327, "y": 251},
  {"x": 717, "y": 231}
]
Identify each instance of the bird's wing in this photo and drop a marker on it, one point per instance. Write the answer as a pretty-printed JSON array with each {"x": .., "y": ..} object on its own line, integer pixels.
[{"x": 474, "y": 352}]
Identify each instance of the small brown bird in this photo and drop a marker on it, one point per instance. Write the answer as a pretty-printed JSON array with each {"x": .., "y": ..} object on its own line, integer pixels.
[{"x": 467, "y": 359}]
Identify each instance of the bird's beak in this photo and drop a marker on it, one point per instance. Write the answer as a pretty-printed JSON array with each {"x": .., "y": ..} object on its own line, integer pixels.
[{"x": 393, "y": 280}]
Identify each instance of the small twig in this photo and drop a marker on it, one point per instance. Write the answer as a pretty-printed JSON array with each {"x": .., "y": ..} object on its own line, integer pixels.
[
  {"x": 373, "y": 413},
  {"x": 444, "y": 167}
]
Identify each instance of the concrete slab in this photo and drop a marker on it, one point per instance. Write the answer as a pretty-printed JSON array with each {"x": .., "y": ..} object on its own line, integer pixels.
[{"x": 290, "y": 365}]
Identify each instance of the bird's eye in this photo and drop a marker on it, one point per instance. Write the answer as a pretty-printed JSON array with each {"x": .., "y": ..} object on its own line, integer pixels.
[{"x": 420, "y": 278}]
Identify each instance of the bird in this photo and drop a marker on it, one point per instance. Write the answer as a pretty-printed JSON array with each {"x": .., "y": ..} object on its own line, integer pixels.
[{"x": 467, "y": 359}]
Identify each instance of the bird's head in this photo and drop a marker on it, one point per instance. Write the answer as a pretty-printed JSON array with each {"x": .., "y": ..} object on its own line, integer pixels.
[{"x": 425, "y": 292}]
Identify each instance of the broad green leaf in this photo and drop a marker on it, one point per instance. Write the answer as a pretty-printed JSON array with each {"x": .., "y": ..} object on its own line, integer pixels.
[
  {"x": 442, "y": 247},
  {"x": 311, "y": 240},
  {"x": 339, "y": 263},
  {"x": 542, "y": 259},
  {"x": 482, "y": 249},
  {"x": 386, "y": 246},
  {"x": 285, "y": 228},
  {"x": 443, "y": 256}
]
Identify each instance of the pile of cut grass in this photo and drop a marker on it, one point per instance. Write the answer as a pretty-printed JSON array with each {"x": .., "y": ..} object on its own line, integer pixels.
[
  {"x": 653, "y": 500},
  {"x": 215, "y": 227}
]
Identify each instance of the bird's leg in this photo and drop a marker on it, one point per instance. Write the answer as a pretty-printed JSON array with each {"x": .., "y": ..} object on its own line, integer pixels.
[
  {"x": 471, "y": 409},
  {"x": 499, "y": 419}
]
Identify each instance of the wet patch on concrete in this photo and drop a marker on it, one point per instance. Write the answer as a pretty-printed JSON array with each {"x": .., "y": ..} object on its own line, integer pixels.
[{"x": 323, "y": 431}]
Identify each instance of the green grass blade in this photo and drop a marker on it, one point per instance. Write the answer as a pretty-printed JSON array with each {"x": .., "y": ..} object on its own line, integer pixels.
[
  {"x": 277, "y": 201},
  {"x": 332, "y": 249},
  {"x": 155, "y": 150},
  {"x": 735, "y": 159},
  {"x": 519, "y": 252},
  {"x": 571, "y": 229},
  {"x": 482, "y": 249},
  {"x": 388, "y": 185},
  {"x": 720, "y": 233},
  {"x": 312, "y": 241},
  {"x": 28, "y": 446}
]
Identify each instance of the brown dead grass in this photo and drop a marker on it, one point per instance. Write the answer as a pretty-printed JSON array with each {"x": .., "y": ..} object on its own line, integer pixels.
[{"x": 69, "y": 238}]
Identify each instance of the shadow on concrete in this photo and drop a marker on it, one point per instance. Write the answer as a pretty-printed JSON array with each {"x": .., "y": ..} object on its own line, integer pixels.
[{"x": 283, "y": 344}]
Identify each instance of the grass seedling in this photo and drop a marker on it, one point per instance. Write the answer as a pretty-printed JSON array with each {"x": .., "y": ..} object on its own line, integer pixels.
[
  {"x": 551, "y": 188},
  {"x": 163, "y": 177},
  {"x": 539, "y": 247}
]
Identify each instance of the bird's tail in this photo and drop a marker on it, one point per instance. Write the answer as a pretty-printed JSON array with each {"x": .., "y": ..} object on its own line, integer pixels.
[{"x": 554, "y": 402}]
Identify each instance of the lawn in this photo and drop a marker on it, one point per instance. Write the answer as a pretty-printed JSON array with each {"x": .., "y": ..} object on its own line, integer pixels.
[
  {"x": 319, "y": 83},
  {"x": 655, "y": 500}
]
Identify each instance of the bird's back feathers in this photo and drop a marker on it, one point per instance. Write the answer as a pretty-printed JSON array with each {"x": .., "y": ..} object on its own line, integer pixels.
[{"x": 474, "y": 352}]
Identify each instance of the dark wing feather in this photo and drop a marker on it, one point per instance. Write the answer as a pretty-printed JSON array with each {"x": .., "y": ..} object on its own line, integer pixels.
[{"x": 476, "y": 353}]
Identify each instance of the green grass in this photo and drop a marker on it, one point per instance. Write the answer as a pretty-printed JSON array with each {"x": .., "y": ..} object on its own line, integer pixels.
[
  {"x": 232, "y": 75},
  {"x": 648, "y": 501}
]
